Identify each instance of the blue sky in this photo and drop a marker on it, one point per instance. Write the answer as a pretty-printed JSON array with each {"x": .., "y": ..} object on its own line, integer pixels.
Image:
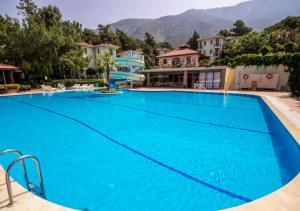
[{"x": 92, "y": 12}]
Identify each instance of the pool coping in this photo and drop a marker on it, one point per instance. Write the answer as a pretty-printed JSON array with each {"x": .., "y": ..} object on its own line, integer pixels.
[
  {"x": 23, "y": 199},
  {"x": 285, "y": 198}
]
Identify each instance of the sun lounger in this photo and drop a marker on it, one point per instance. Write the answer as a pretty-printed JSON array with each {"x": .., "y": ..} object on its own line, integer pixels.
[
  {"x": 48, "y": 88},
  {"x": 61, "y": 86},
  {"x": 199, "y": 86},
  {"x": 76, "y": 86}
]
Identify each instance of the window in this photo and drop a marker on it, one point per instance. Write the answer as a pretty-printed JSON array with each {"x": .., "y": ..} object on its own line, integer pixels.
[
  {"x": 85, "y": 50},
  {"x": 211, "y": 51},
  {"x": 176, "y": 61},
  {"x": 111, "y": 52},
  {"x": 98, "y": 50},
  {"x": 189, "y": 59},
  {"x": 211, "y": 42},
  {"x": 217, "y": 52},
  {"x": 165, "y": 61},
  {"x": 204, "y": 43}
]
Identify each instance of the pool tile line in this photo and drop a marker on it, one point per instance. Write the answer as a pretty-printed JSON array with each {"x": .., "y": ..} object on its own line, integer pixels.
[
  {"x": 174, "y": 117},
  {"x": 226, "y": 192}
]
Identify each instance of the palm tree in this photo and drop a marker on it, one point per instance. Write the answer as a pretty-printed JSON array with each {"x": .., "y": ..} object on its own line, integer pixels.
[{"x": 107, "y": 62}]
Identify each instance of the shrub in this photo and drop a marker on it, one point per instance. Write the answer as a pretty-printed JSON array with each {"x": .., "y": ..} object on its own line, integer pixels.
[
  {"x": 69, "y": 83},
  {"x": 10, "y": 86}
]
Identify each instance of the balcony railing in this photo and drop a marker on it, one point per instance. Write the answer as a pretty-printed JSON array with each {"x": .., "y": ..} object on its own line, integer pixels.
[{"x": 179, "y": 65}]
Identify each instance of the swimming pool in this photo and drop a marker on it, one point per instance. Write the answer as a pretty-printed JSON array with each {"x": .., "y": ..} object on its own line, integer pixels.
[{"x": 150, "y": 150}]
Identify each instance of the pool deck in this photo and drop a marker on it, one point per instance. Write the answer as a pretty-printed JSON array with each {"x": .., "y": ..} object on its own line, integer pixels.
[
  {"x": 23, "y": 199},
  {"x": 285, "y": 199}
]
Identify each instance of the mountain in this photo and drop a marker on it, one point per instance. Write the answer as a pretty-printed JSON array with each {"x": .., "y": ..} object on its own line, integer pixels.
[{"x": 177, "y": 29}]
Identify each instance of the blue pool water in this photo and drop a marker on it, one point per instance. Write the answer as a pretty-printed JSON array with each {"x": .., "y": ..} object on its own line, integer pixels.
[{"x": 150, "y": 150}]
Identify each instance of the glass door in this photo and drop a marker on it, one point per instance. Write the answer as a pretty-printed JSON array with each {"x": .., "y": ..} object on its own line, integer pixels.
[
  {"x": 202, "y": 77},
  {"x": 209, "y": 80},
  {"x": 217, "y": 80}
]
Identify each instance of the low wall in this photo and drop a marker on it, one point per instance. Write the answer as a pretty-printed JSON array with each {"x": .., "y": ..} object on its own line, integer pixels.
[{"x": 278, "y": 82}]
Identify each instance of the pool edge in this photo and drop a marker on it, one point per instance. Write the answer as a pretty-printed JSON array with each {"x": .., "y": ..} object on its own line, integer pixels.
[{"x": 23, "y": 199}]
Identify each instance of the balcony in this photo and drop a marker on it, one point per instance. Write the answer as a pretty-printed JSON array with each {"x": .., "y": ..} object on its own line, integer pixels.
[
  {"x": 217, "y": 45},
  {"x": 179, "y": 65}
]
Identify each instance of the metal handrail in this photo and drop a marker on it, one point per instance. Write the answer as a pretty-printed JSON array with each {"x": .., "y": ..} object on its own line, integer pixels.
[
  {"x": 23, "y": 163},
  {"x": 7, "y": 177}
]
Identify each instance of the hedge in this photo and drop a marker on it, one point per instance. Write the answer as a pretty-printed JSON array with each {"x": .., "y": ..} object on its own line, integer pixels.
[
  {"x": 69, "y": 83},
  {"x": 10, "y": 86}
]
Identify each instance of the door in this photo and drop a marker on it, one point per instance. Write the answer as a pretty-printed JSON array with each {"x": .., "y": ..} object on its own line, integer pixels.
[
  {"x": 217, "y": 80},
  {"x": 202, "y": 77},
  {"x": 209, "y": 80}
]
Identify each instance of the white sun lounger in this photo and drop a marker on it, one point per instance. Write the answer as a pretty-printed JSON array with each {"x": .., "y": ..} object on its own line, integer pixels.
[
  {"x": 199, "y": 86},
  {"x": 61, "y": 86},
  {"x": 48, "y": 88},
  {"x": 76, "y": 86}
]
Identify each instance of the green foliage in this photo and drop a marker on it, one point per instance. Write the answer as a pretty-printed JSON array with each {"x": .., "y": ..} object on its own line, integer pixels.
[
  {"x": 90, "y": 36},
  {"x": 251, "y": 43},
  {"x": 224, "y": 32},
  {"x": 291, "y": 23},
  {"x": 149, "y": 40},
  {"x": 240, "y": 28},
  {"x": 69, "y": 83},
  {"x": 265, "y": 49},
  {"x": 108, "y": 63},
  {"x": 107, "y": 35},
  {"x": 165, "y": 45},
  {"x": 91, "y": 71},
  {"x": 126, "y": 42},
  {"x": 43, "y": 45},
  {"x": 291, "y": 47},
  {"x": 193, "y": 41},
  {"x": 10, "y": 86}
]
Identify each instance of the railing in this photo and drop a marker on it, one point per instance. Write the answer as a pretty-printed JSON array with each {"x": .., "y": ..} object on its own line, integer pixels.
[
  {"x": 193, "y": 64},
  {"x": 22, "y": 163},
  {"x": 30, "y": 186}
]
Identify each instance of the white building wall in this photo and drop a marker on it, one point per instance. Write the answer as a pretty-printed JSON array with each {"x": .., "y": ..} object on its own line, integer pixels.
[
  {"x": 208, "y": 48},
  {"x": 258, "y": 74}
]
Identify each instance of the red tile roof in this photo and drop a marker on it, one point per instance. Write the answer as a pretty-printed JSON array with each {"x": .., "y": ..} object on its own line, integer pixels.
[
  {"x": 85, "y": 44},
  {"x": 179, "y": 52},
  {"x": 7, "y": 67}
]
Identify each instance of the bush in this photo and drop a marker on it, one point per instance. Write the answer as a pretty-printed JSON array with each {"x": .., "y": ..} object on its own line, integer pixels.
[
  {"x": 10, "y": 86},
  {"x": 69, "y": 83}
]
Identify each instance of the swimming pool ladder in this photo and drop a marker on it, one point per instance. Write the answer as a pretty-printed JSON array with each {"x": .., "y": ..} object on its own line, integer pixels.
[{"x": 40, "y": 191}]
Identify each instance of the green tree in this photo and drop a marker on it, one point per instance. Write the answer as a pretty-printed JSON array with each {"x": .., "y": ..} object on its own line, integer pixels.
[
  {"x": 193, "y": 41},
  {"x": 126, "y": 42},
  {"x": 165, "y": 45},
  {"x": 149, "y": 40},
  {"x": 107, "y": 35},
  {"x": 90, "y": 36},
  {"x": 240, "y": 28},
  {"x": 291, "y": 47},
  {"x": 224, "y": 32},
  {"x": 108, "y": 63}
]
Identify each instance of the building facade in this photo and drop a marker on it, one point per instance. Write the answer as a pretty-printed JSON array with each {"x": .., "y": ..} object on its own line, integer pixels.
[
  {"x": 212, "y": 47},
  {"x": 95, "y": 51},
  {"x": 182, "y": 57}
]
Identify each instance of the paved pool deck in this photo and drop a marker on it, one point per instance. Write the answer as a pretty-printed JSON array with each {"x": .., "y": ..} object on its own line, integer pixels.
[{"x": 285, "y": 199}]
